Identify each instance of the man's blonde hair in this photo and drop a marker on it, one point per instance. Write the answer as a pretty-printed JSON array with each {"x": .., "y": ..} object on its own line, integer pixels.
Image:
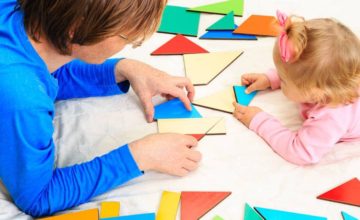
[{"x": 326, "y": 58}]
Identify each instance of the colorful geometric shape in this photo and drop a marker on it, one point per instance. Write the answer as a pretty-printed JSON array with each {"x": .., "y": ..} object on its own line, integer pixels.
[
  {"x": 225, "y": 23},
  {"x": 109, "y": 209},
  {"x": 237, "y": 6},
  {"x": 174, "y": 108},
  {"x": 346, "y": 216},
  {"x": 168, "y": 206},
  {"x": 179, "y": 45},
  {"x": 227, "y": 35},
  {"x": 198, "y": 137},
  {"x": 241, "y": 97},
  {"x": 201, "y": 69},
  {"x": 196, "y": 204},
  {"x": 259, "y": 25},
  {"x": 348, "y": 193},
  {"x": 251, "y": 214},
  {"x": 221, "y": 100},
  {"x": 177, "y": 20},
  {"x": 145, "y": 216},
  {"x": 217, "y": 218},
  {"x": 272, "y": 214},
  {"x": 91, "y": 214}
]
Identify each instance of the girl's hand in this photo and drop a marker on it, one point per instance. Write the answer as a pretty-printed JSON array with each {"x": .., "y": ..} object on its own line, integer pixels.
[
  {"x": 255, "y": 81},
  {"x": 245, "y": 114}
]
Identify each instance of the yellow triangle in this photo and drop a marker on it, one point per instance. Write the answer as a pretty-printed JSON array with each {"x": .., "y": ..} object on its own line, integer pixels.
[
  {"x": 109, "y": 209},
  {"x": 192, "y": 125},
  {"x": 202, "y": 68},
  {"x": 221, "y": 100}
]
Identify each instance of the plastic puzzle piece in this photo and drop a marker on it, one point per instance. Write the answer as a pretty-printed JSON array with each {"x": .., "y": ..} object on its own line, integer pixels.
[
  {"x": 347, "y": 193},
  {"x": 225, "y": 7},
  {"x": 145, "y": 216},
  {"x": 168, "y": 206},
  {"x": 217, "y": 218},
  {"x": 177, "y": 20},
  {"x": 196, "y": 204},
  {"x": 346, "y": 216},
  {"x": 91, "y": 214},
  {"x": 198, "y": 137},
  {"x": 225, "y": 23},
  {"x": 109, "y": 209},
  {"x": 272, "y": 214},
  {"x": 241, "y": 97},
  {"x": 251, "y": 214},
  {"x": 174, "y": 109},
  {"x": 179, "y": 45},
  {"x": 260, "y": 25},
  {"x": 201, "y": 69},
  {"x": 227, "y": 35},
  {"x": 221, "y": 100}
]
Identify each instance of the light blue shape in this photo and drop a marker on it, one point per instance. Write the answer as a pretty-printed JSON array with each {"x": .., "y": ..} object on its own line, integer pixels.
[
  {"x": 272, "y": 214},
  {"x": 241, "y": 97},
  {"x": 146, "y": 216},
  {"x": 175, "y": 109},
  {"x": 347, "y": 216},
  {"x": 227, "y": 35}
]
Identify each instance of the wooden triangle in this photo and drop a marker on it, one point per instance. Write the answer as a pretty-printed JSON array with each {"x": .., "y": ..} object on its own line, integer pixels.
[
  {"x": 348, "y": 193},
  {"x": 196, "y": 204},
  {"x": 221, "y": 101},
  {"x": 259, "y": 25},
  {"x": 91, "y": 214},
  {"x": 201, "y": 69},
  {"x": 179, "y": 45},
  {"x": 192, "y": 126},
  {"x": 225, "y": 23},
  {"x": 237, "y": 6}
]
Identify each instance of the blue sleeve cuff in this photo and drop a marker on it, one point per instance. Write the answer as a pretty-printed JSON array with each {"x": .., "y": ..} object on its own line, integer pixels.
[
  {"x": 129, "y": 162},
  {"x": 124, "y": 86}
]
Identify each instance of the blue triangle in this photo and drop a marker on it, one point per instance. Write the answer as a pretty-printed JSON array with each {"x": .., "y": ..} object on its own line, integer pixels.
[
  {"x": 175, "y": 109},
  {"x": 347, "y": 216},
  {"x": 227, "y": 35},
  {"x": 272, "y": 214},
  {"x": 241, "y": 97},
  {"x": 146, "y": 216}
]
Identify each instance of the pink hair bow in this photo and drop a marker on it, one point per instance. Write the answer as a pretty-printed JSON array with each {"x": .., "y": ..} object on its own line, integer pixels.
[{"x": 284, "y": 43}]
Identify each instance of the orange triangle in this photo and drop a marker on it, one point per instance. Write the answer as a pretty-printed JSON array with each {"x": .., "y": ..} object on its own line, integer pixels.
[
  {"x": 196, "y": 204},
  {"x": 179, "y": 45},
  {"x": 198, "y": 136},
  {"x": 259, "y": 25}
]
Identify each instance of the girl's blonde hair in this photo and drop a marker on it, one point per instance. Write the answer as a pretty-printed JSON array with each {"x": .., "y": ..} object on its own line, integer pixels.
[{"x": 326, "y": 58}]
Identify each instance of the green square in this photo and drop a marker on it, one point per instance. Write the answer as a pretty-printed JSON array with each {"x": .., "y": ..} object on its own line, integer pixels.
[{"x": 177, "y": 20}]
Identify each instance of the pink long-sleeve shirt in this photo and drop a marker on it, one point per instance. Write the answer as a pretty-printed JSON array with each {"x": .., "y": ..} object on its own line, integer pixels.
[{"x": 323, "y": 127}]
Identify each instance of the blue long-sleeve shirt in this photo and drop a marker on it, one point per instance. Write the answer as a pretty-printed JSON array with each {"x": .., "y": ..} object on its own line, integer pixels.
[{"x": 27, "y": 95}]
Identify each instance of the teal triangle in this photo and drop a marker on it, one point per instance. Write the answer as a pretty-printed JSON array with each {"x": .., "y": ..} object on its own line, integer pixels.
[
  {"x": 347, "y": 216},
  {"x": 237, "y": 6},
  {"x": 272, "y": 214},
  {"x": 225, "y": 23},
  {"x": 251, "y": 214},
  {"x": 241, "y": 97}
]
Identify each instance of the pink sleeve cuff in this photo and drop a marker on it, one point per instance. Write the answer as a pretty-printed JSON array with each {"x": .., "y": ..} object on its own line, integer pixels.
[{"x": 274, "y": 79}]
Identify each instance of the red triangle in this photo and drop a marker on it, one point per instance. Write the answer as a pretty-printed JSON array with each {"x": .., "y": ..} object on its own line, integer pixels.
[
  {"x": 196, "y": 204},
  {"x": 198, "y": 136},
  {"x": 348, "y": 193},
  {"x": 179, "y": 45}
]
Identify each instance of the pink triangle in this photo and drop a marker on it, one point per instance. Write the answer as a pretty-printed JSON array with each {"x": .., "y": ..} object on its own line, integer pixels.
[
  {"x": 196, "y": 204},
  {"x": 179, "y": 45}
]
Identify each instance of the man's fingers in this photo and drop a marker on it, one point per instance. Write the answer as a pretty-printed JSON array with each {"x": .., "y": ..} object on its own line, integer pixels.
[
  {"x": 148, "y": 108},
  {"x": 185, "y": 82}
]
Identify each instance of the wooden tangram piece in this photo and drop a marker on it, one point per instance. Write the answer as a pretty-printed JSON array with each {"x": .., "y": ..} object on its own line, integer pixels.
[
  {"x": 168, "y": 206},
  {"x": 174, "y": 109},
  {"x": 192, "y": 126},
  {"x": 201, "y": 69},
  {"x": 179, "y": 45},
  {"x": 346, "y": 216},
  {"x": 227, "y": 35},
  {"x": 225, "y": 23},
  {"x": 221, "y": 101},
  {"x": 91, "y": 214},
  {"x": 348, "y": 193},
  {"x": 196, "y": 204},
  {"x": 237, "y": 6},
  {"x": 251, "y": 214},
  {"x": 109, "y": 209},
  {"x": 177, "y": 20},
  {"x": 241, "y": 97},
  {"x": 260, "y": 25},
  {"x": 272, "y": 214},
  {"x": 144, "y": 216}
]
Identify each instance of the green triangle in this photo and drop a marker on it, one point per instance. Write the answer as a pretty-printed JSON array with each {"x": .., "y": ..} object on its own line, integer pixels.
[
  {"x": 225, "y": 23},
  {"x": 251, "y": 214},
  {"x": 237, "y": 6}
]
